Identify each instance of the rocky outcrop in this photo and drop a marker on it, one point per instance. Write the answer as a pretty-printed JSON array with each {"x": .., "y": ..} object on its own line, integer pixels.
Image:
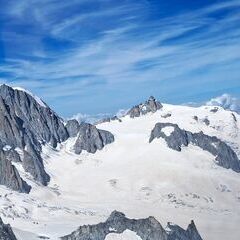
[
  {"x": 146, "y": 229},
  {"x": 234, "y": 117},
  {"x": 72, "y": 127},
  {"x": 177, "y": 233},
  {"x": 9, "y": 175},
  {"x": 35, "y": 118},
  {"x": 206, "y": 121},
  {"x": 151, "y": 105},
  {"x": 224, "y": 155},
  {"x": 33, "y": 163},
  {"x": 91, "y": 139},
  {"x": 6, "y": 232}
]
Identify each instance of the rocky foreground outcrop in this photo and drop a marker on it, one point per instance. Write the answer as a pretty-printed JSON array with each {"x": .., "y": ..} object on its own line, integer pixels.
[
  {"x": 91, "y": 139},
  {"x": 151, "y": 105},
  {"x": 224, "y": 155},
  {"x": 27, "y": 123},
  {"x": 6, "y": 232},
  {"x": 146, "y": 229}
]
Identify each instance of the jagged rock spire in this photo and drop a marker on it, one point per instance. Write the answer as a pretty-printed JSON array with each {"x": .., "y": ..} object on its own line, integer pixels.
[{"x": 151, "y": 105}]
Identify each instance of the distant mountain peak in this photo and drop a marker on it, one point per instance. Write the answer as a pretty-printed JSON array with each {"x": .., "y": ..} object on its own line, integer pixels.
[
  {"x": 5, "y": 87},
  {"x": 151, "y": 105}
]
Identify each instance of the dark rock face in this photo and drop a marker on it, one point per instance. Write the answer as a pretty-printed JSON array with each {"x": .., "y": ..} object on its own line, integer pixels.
[
  {"x": 72, "y": 127},
  {"x": 37, "y": 119},
  {"x": 234, "y": 117},
  {"x": 91, "y": 139},
  {"x": 225, "y": 156},
  {"x": 146, "y": 229},
  {"x": 177, "y": 233},
  {"x": 151, "y": 105},
  {"x": 10, "y": 177},
  {"x": 33, "y": 163},
  {"x": 26, "y": 124},
  {"x": 6, "y": 232},
  {"x": 12, "y": 156}
]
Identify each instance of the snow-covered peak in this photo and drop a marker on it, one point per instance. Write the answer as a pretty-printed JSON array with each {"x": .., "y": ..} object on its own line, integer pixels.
[{"x": 38, "y": 100}]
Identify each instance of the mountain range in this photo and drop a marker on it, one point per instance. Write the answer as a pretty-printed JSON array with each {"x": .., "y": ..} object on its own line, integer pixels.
[{"x": 175, "y": 163}]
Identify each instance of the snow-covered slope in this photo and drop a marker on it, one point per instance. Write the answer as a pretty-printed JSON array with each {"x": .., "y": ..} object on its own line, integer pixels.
[
  {"x": 136, "y": 177},
  {"x": 126, "y": 235}
]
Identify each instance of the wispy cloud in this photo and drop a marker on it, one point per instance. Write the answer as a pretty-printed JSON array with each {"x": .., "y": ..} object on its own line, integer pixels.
[
  {"x": 226, "y": 101},
  {"x": 120, "y": 48}
]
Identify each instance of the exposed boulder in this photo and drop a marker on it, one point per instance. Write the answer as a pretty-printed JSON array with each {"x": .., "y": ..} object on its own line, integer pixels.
[
  {"x": 6, "y": 232},
  {"x": 195, "y": 118},
  {"x": 214, "y": 110},
  {"x": 151, "y": 105},
  {"x": 206, "y": 121},
  {"x": 224, "y": 155},
  {"x": 91, "y": 139},
  {"x": 10, "y": 177},
  {"x": 167, "y": 115},
  {"x": 146, "y": 229}
]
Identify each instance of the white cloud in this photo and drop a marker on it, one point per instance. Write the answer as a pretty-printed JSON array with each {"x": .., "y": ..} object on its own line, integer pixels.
[
  {"x": 226, "y": 101},
  {"x": 93, "y": 118},
  {"x": 82, "y": 117}
]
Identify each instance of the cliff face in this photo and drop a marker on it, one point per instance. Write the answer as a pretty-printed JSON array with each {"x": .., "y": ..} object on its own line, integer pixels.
[
  {"x": 9, "y": 175},
  {"x": 28, "y": 119},
  {"x": 6, "y": 232}
]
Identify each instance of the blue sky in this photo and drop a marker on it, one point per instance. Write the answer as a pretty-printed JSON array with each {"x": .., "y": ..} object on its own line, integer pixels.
[{"x": 97, "y": 56}]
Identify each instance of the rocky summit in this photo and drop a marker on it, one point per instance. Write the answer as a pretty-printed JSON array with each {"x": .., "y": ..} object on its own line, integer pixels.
[
  {"x": 151, "y": 105},
  {"x": 146, "y": 229}
]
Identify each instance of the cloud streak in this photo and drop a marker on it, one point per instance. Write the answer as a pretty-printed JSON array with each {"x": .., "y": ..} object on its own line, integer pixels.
[{"x": 120, "y": 49}]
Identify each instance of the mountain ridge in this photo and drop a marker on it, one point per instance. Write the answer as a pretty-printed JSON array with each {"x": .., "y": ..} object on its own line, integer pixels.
[{"x": 129, "y": 174}]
